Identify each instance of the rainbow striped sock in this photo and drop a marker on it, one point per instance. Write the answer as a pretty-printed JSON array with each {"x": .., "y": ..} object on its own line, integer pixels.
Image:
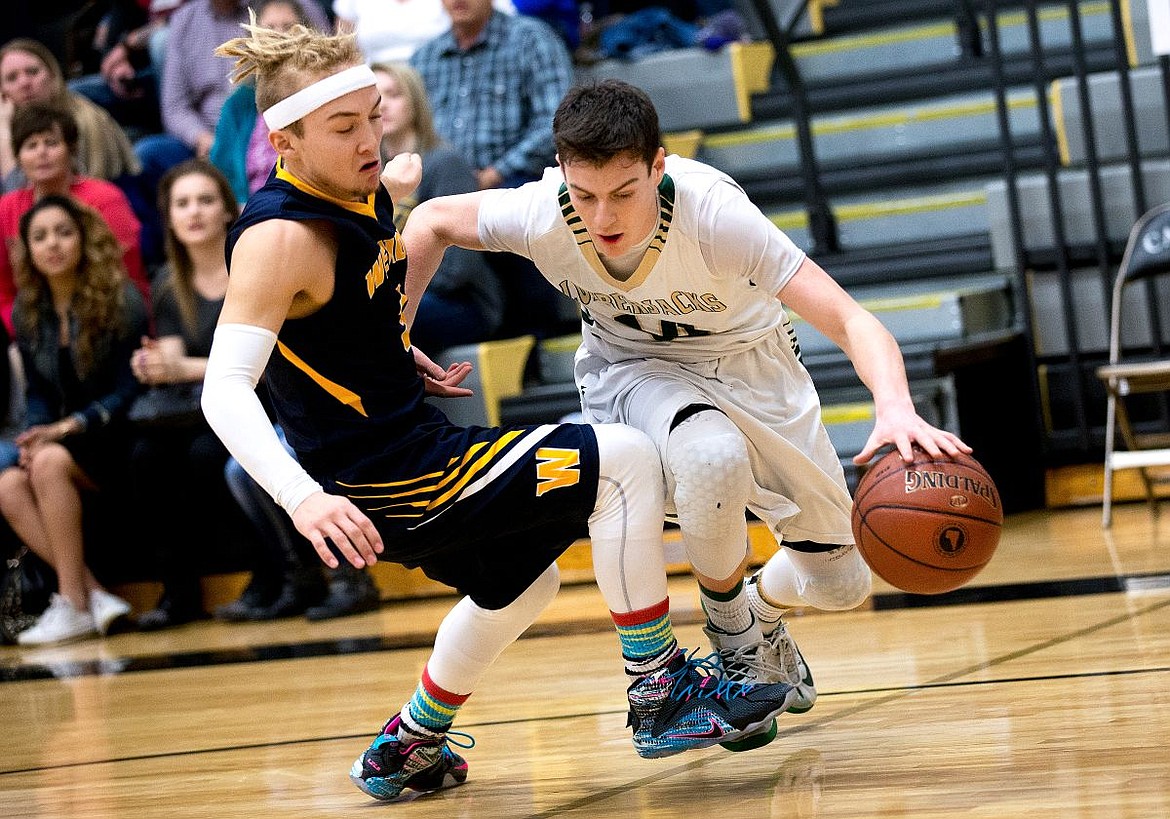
[
  {"x": 430, "y": 711},
  {"x": 646, "y": 637}
]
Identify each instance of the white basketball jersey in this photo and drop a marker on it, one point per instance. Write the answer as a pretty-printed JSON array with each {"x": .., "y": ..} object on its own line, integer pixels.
[
  {"x": 707, "y": 282},
  {"x": 707, "y": 285}
]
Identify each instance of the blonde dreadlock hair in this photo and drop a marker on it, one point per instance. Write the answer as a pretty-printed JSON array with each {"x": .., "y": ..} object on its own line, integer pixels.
[{"x": 284, "y": 62}]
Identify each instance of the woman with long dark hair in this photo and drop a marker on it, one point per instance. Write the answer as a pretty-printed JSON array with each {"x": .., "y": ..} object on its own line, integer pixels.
[{"x": 77, "y": 318}]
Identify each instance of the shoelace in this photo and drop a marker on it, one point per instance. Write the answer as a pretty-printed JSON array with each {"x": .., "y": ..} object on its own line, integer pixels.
[
  {"x": 464, "y": 741},
  {"x": 789, "y": 664},
  {"x": 468, "y": 740},
  {"x": 750, "y": 657},
  {"x": 709, "y": 669}
]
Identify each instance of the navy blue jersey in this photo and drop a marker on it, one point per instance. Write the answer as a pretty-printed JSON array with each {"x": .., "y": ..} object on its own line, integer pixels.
[{"x": 344, "y": 375}]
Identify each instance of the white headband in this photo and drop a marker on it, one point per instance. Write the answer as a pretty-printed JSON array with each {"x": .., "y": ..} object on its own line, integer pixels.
[{"x": 312, "y": 97}]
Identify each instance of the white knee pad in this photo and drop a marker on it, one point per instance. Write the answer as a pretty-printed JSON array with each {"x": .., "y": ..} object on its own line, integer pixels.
[
  {"x": 708, "y": 459},
  {"x": 837, "y": 580}
]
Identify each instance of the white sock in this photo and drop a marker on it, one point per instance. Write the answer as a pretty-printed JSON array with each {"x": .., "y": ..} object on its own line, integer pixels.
[
  {"x": 728, "y": 616},
  {"x": 767, "y": 614}
]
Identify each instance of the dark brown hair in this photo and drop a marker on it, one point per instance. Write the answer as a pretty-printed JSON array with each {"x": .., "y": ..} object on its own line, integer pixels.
[
  {"x": 601, "y": 120},
  {"x": 37, "y": 119}
]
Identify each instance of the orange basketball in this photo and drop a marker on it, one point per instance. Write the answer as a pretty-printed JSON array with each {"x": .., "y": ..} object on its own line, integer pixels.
[{"x": 929, "y": 526}]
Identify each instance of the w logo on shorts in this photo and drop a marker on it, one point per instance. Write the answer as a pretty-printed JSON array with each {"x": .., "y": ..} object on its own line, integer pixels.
[{"x": 556, "y": 468}]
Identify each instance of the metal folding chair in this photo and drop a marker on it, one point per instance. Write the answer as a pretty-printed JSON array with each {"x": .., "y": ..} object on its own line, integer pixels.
[{"x": 1147, "y": 255}]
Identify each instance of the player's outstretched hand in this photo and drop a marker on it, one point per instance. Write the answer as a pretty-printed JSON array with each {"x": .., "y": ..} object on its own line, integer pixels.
[
  {"x": 437, "y": 381},
  {"x": 322, "y": 516},
  {"x": 402, "y": 175},
  {"x": 905, "y": 430}
]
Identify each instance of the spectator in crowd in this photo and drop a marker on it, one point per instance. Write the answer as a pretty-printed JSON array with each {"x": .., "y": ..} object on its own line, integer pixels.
[
  {"x": 285, "y": 580},
  {"x": 177, "y": 467},
  {"x": 126, "y": 84},
  {"x": 241, "y": 149},
  {"x": 464, "y": 303},
  {"x": 391, "y": 30},
  {"x": 30, "y": 74},
  {"x": 77, "y": 321},
  {"x": 195, "y": 84},
  {"x": 494, "y": 82},
  {"x": 46, "y": 139}
]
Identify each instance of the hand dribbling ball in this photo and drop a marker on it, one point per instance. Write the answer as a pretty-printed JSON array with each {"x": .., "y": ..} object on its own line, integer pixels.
[{"x": 929, "y": 526}]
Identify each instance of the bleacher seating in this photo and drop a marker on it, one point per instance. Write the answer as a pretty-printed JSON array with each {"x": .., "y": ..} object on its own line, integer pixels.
[
  {"x": 910, "y": 152},
  {"x": 1149, "y": 112}
]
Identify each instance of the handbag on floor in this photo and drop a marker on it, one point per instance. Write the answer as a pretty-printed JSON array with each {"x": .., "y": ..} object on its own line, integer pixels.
[
  {"x": 25, "y": 587},
  {"x": 168, "y": 406}
]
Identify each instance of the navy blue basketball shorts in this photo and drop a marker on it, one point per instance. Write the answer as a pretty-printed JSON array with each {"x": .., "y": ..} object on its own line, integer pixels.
[{"x": 485, "y": 511}]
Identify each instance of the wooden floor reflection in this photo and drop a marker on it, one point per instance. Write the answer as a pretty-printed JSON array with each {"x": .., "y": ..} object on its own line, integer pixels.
[{"x": 1057, "y": 704}]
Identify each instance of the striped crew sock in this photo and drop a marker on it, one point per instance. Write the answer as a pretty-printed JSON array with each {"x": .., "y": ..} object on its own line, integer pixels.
[
  {"x": 430, "y": 711},
  {"x": 647, "y": 638},
  {"x": 728, "y": 611}
]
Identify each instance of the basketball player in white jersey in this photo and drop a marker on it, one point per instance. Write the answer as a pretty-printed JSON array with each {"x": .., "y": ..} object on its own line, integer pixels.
[{"x": 682, "y": 284}]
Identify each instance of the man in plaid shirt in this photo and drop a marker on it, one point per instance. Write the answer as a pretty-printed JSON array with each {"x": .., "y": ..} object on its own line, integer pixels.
[{"x": 494, "y": 81}]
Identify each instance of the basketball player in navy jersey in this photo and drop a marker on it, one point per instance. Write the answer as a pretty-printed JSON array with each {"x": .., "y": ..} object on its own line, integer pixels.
[
  {"x": 681, "y": 283},
  {"x": 315, "y": 301}
]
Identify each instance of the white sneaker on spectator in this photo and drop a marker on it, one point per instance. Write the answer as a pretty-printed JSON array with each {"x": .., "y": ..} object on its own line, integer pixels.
[
  {"x": 59, "y": 623},
  {"x": 109, "y": 611}
]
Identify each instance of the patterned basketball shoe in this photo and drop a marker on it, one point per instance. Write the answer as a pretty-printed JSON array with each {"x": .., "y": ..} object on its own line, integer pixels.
[
  {"x": 390, "y": 766},
  {"x": 691, "y": 704}
]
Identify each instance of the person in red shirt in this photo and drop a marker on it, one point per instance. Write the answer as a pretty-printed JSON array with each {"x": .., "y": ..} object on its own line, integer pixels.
[{"x": 44, "y": 139}]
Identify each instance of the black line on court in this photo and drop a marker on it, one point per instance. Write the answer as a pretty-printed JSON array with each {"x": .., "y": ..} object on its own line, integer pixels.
[
  {"x": 1023, "y": 591},
  {"x": 892, "y": 691},
  {"x": 29, "y": 668}
]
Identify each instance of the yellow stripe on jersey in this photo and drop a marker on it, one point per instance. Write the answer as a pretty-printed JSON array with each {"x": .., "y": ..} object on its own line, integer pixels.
[
  {"x": 429, "y": 476},
  {"x": 430, "y": 491},
  {"x": 342, "y": 394},
  {"x": 365, "y": 208},
  {"x": 479, "y": 466},
  {"x": 439, "y": 479}
]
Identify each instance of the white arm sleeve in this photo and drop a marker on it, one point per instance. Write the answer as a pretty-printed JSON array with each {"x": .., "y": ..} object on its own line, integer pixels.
[{"x": 238, "y": 357}]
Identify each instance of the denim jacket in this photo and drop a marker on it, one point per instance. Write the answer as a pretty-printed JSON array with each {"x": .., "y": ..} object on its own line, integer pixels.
[{"x": 110, "y": 386}]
